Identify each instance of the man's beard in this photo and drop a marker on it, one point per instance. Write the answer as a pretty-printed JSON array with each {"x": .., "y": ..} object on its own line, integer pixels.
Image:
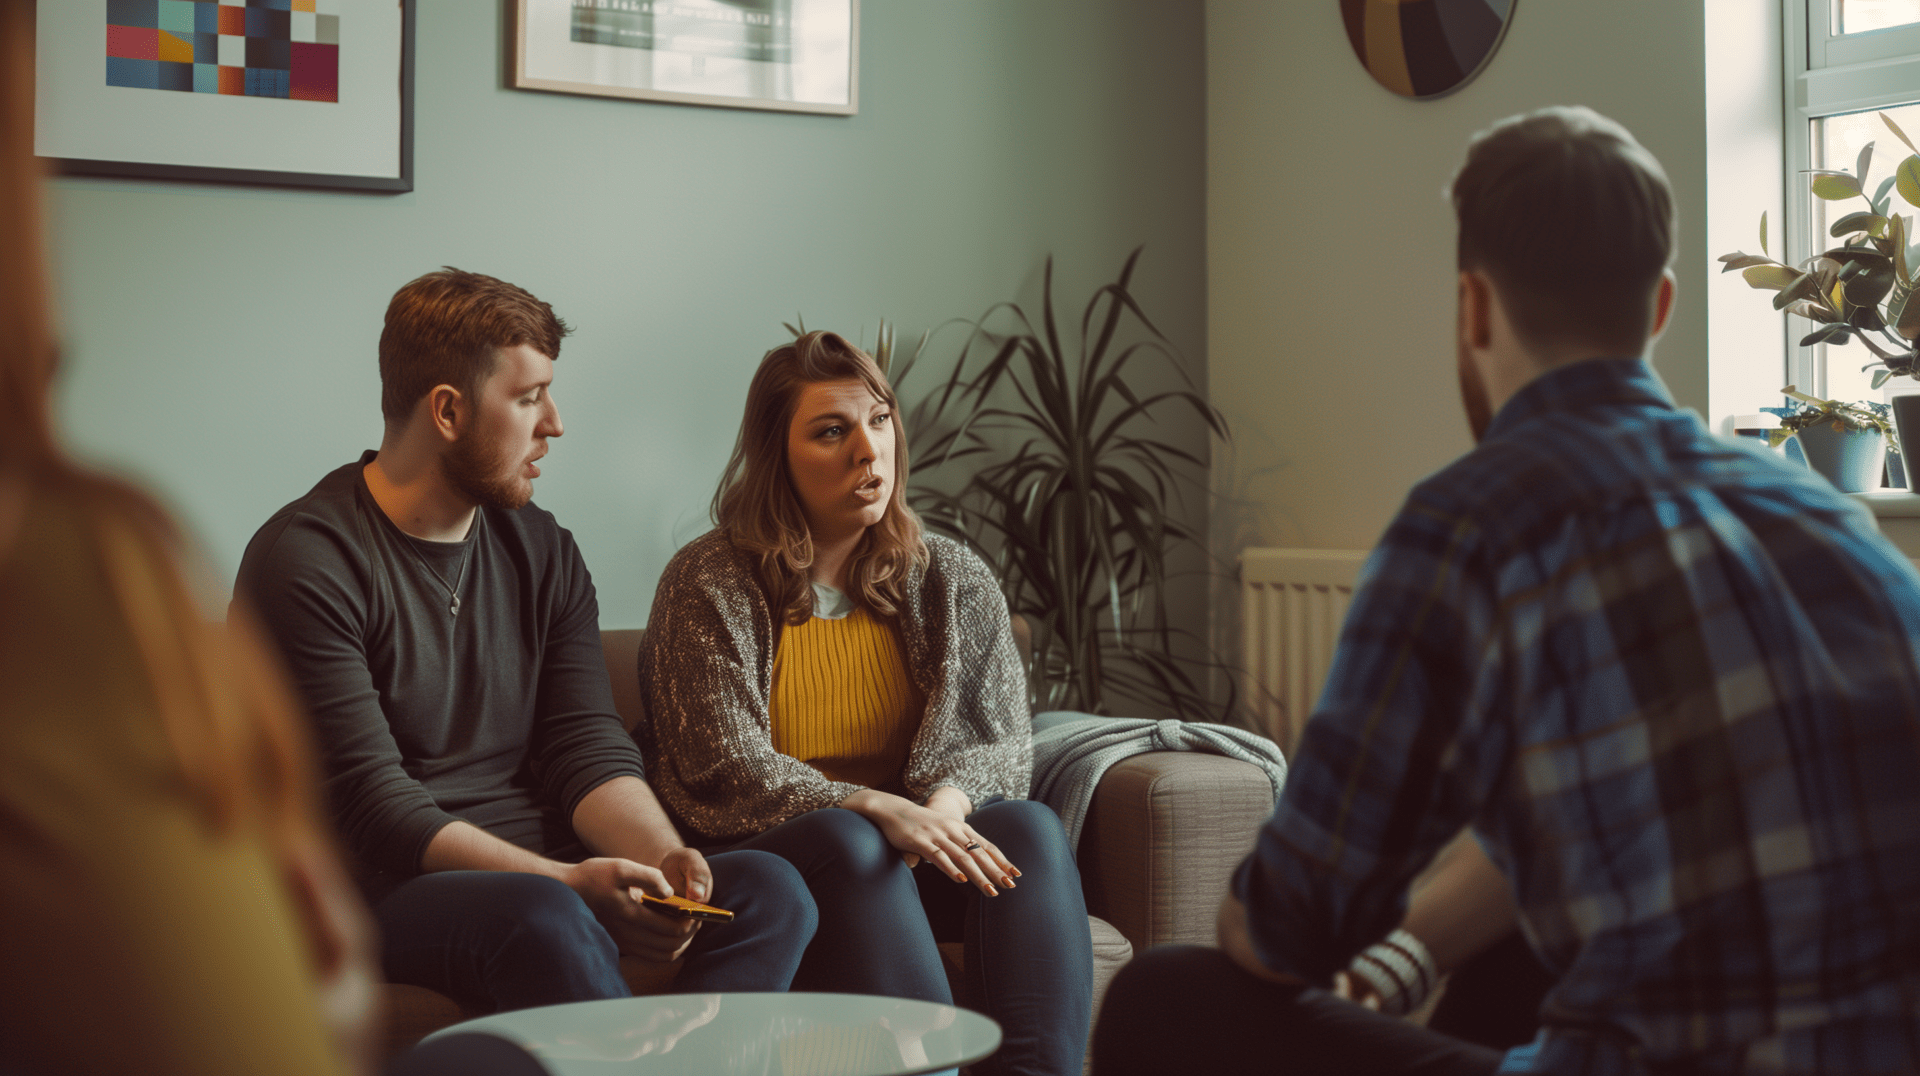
[
  {"x": 484, "y": 475},
  {"x": 1473, "y": 396}
]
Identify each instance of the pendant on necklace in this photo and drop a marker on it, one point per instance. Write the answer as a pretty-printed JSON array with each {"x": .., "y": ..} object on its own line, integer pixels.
[{"x": 455, "y": 607}]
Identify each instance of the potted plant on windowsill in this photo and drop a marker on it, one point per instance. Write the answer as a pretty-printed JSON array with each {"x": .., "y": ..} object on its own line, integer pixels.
[
  {"x": 1864, "y": 288},
  {"x": 1845, "y": 442}
]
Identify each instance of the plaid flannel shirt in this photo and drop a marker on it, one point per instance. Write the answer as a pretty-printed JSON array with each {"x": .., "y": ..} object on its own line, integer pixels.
[{"x": 1672, "y": 682}]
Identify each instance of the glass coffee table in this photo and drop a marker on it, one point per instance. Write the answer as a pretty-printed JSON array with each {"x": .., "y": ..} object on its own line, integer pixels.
[{"x": 762, "y": 1034}]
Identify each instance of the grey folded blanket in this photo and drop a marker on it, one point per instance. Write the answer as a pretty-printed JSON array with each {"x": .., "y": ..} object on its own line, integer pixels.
[{"x": 1072, "y": 751}]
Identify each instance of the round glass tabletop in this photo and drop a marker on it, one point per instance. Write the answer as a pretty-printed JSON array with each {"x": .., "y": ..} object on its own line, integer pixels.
[{"x": 764, "y": 1034}]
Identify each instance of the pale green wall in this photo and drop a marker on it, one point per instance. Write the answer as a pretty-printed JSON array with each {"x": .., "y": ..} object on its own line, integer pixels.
[
  {"x": 1331, "y": 249},
  {"x": 222, "y": 340}
]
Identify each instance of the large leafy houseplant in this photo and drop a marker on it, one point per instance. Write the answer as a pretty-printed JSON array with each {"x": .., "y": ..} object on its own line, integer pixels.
[
  {"x": 1045, "y": 456},
  {"x": 1864, "y": 288}
]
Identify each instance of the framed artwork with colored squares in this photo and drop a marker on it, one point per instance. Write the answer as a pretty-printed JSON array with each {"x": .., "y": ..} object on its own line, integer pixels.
[{"x": 307, "y": 93}]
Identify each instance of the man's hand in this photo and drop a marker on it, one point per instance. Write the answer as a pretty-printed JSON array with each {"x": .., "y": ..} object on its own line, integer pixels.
[
  {"x": 1355, "y": 989},
  {"x": 606, "y": 884},
  {"x": 687, "y": 871},
  {"x": 937, "y": 837}
]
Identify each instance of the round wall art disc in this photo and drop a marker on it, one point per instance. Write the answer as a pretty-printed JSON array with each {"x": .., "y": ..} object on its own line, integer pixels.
[{"x": 1425, "y": 48}]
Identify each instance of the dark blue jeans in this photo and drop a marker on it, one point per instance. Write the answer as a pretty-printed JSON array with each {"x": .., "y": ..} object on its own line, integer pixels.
[
  {"x": 494, "y": 940},
  {"x": 1029, "y": 954}
]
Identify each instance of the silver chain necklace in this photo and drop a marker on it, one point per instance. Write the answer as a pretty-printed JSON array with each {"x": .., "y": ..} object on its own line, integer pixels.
[{"x": 453, "y": 590}]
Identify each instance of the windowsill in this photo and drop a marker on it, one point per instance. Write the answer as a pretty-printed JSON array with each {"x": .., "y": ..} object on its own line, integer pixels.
[
  {"x": 1890, "y": 503},
  {"x": 1897, "y": 511}
]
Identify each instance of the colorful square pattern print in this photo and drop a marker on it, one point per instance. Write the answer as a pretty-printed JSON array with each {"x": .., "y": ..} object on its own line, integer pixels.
[{"x": 249, "y": 48}]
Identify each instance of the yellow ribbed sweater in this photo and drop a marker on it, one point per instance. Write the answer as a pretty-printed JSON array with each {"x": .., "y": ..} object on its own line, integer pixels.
[{"x": 842, "y": 701}]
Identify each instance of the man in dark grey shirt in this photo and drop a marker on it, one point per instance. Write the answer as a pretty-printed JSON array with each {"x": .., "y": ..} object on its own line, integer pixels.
[{"x": 445, "y": 636}]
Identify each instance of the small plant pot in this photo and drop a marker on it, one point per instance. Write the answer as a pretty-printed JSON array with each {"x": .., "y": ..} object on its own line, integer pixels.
[
  {"x": 1906, "y": 422},
  {"x": 1851, "y": 459}
]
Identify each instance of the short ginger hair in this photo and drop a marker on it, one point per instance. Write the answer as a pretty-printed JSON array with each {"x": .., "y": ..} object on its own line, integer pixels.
[{"x": 448, "y": 327}]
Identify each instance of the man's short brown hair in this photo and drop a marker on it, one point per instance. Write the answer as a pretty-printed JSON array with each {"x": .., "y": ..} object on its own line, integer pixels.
[
  {"x": 447, "y": 328},
  {"x": 1573, "y": 221}
]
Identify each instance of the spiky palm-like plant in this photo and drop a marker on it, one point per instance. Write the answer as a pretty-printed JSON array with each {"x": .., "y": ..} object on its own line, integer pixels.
[{"x": 1068, "y": 490}]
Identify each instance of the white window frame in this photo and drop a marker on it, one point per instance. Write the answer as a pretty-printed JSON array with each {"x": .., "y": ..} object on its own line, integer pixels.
[{"x": 1826, "y": 75}]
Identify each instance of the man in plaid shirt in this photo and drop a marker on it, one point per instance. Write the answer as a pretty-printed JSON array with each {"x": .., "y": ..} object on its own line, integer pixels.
[{"x": 1671, "y": 683}]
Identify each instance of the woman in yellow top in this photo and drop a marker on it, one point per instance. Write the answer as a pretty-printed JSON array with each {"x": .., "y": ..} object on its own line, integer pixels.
[{"x": 827, "y": 683}]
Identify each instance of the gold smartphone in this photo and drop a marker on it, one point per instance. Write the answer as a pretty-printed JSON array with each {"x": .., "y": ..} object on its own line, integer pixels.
[{"x": 684, "y": 908}]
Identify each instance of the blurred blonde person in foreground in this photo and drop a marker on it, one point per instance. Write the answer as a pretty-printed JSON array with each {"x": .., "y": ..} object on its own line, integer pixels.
[{"x": 168, "y": 900}]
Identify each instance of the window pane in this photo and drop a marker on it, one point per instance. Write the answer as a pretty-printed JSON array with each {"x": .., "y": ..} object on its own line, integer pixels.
[
  {"x": 1859, "y": 16},
  {"x": 1837, "y": 142}
]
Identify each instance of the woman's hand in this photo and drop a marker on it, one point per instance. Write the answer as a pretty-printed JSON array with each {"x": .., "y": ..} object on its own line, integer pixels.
[
  {"x": 937, "y": 837},
  {"x": 951, "y": 802}
]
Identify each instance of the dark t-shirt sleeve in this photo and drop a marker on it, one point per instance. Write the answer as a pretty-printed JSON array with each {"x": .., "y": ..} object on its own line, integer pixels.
[
  {"x": 311, "y": 584},
  {"x": 579, "y": 742}
]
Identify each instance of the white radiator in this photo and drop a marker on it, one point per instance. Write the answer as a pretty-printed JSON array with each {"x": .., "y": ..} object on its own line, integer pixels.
[{"x": 1292, "y": 603}]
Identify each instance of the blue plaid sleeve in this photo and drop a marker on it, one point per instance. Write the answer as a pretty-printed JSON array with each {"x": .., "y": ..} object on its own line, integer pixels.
[{"x": 1378, "y": 782}]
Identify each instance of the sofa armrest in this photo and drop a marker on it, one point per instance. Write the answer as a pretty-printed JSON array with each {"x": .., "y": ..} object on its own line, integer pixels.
[{"x": 1162, "y": 838}]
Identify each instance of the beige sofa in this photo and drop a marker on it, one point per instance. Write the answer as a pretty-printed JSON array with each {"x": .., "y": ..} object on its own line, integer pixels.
[{"x": 1164, "y": 832}]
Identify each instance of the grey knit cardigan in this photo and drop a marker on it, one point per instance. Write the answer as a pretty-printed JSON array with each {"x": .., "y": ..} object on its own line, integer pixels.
[{"x": 706, "y": 670}]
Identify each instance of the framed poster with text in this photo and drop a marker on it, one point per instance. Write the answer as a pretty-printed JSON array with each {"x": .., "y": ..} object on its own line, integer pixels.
[
  {"x": 305, "y": 93},
  {"x": 786, "y": 55}
]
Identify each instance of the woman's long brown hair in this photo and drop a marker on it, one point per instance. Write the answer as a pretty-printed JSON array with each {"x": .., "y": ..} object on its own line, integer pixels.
[
  {"x": 227, "y": 713},
  {"x": 757, "y": 508}
]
